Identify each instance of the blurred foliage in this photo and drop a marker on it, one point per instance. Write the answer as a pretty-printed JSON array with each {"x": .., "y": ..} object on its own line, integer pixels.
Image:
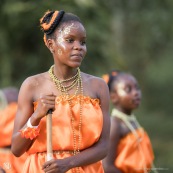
[{"x": 134, "y": 35}]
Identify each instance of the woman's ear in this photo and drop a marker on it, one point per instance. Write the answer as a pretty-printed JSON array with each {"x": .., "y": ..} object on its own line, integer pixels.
[
  {"x": 114, "y": 97},
  {"x": 50, "y": 44}
]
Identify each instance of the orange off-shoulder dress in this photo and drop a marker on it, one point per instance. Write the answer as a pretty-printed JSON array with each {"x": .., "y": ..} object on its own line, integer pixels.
[
  {"x": 8, "y": 161},
  {"x": 134, "y": 151},
  {"x": 62, "y": 133},
  {"x": 135, "y": 155}
]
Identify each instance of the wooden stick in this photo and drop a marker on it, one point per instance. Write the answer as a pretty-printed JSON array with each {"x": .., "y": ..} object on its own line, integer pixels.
[{"x": 49, "y": 135}]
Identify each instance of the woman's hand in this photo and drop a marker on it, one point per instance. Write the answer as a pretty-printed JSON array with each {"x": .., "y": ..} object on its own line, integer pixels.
[
  {"x": 45, "y": 103},
  {"x": 55, "y": 166}
]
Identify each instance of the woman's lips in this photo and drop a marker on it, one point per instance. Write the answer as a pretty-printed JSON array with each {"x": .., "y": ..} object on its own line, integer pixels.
[
  {"x": 77, "y": 56},
  {"x": 137, "y": 101}
]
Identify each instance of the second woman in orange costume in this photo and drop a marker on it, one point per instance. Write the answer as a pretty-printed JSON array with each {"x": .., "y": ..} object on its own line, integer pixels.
[
  {"x": 80, "y": 121},
  {"x": 130, "y": 149}
]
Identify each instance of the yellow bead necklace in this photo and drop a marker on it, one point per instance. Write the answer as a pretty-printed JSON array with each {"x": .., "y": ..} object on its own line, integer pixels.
[{"x": 77, "y": 81}]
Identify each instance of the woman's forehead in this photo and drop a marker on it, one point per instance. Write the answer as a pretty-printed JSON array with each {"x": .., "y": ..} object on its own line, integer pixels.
[
  {"x": 126, "y": 79},
  {"x": 70, "y": 25},
  {"x": 71, "y": 28}
]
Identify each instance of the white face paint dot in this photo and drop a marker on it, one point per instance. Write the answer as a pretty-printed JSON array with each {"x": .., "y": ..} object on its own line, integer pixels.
[
  {"x": 59, "y": 52},
  {"x": 60, "y": 39}
]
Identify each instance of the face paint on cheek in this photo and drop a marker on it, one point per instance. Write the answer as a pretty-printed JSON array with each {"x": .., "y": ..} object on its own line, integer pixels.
[
  {"x": 120, "y": 90},
  {"x": 59, "y": 52},
  {"x": 65, "y": 31},
  {"x": 60, "y": 39}
]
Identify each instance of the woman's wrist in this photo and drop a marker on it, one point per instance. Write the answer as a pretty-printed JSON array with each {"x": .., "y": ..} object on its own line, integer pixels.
[
  {"x": 29, "y": 124},
  {"x": 31, "y": 129},
  {"x": 34, "y": 121}
]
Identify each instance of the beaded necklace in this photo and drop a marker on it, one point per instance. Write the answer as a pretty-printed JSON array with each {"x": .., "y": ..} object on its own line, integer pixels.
[
  {"x": 127, "y": 119},
  {"x": 76, "y": 81},
  {"x": 59, "y": 82}
]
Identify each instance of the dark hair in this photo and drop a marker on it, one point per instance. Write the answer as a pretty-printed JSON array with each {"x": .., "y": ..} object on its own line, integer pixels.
[
  {"x": 113, "y": 77},
  {"x": 54, "y": 19},
  {"x": 50, "y": 21}
]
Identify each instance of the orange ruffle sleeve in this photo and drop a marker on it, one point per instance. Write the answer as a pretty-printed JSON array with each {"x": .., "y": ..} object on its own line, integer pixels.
[
  {"x": 135, "y": 155},
  {"x": 62, "y": 133}
]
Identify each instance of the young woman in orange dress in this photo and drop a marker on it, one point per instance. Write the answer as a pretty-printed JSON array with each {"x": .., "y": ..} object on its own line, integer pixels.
[
  {"x": 80, "y": 120},
  {"x": 8, "y": 107},
  {"x": 130, "y": 150}
]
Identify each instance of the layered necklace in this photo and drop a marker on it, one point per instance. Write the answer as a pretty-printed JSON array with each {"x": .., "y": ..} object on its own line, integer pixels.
[
  {"x": 76, "y": 81},
  {"x": 127, "y": 120}
]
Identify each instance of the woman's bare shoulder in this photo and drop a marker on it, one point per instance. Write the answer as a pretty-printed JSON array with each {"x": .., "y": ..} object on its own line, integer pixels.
[
  {"x": 94, "y": 87},
  {"x": 92, "y": 78},
  {"x": 34, "y": 85},
  {"x": 35, "y": 80}
]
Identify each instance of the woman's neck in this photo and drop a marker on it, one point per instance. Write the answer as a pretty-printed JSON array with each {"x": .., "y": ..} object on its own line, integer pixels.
[
  {"x": 64, "y": 73},
  {"x": 125, "y": 111}
]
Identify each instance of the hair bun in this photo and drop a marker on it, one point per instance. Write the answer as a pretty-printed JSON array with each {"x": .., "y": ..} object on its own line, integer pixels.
[{"x": 50, "y": 21}]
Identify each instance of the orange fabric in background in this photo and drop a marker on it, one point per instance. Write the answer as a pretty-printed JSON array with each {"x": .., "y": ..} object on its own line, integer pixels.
[
  {"x": 7, "y": 123},
  {"x": 8, "y": 161},
  {"x": 62, "y": 134},
  {"x": 132, "y": 155}
]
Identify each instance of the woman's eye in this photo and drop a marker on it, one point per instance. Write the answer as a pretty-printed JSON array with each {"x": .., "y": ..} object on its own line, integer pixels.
[
  {"x": 128, "y": 89},
  {"x": 69, "y": 40},
  {"x": 83, "y": 42}
]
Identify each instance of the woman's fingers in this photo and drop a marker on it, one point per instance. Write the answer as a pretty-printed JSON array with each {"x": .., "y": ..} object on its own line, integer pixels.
[{"x": 45, "y": 103}]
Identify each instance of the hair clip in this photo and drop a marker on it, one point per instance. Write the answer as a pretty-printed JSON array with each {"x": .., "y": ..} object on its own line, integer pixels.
[{"x": 105, "y": 77}]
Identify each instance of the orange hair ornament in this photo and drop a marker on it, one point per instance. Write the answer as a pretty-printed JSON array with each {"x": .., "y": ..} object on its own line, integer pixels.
[
  {"x": 45, "y": 25},
  {"x": 105, "y": 77},
  {"x": 50, "y": 21}
]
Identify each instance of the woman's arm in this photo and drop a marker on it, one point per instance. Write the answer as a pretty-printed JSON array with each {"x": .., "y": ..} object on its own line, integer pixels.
[
  {"x": 96, "y": 152},
  {"x": 25, "y": 111},
  {"x": 115, "y": 134}
]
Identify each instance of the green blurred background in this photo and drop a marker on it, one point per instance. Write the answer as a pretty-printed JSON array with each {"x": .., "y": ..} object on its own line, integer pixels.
[{"x": 131, "y": 35}]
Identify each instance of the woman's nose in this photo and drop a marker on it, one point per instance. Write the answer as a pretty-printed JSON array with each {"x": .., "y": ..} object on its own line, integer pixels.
[
  {"x": 137, "y": 92},
  {"x": 77, "y": 45}
]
